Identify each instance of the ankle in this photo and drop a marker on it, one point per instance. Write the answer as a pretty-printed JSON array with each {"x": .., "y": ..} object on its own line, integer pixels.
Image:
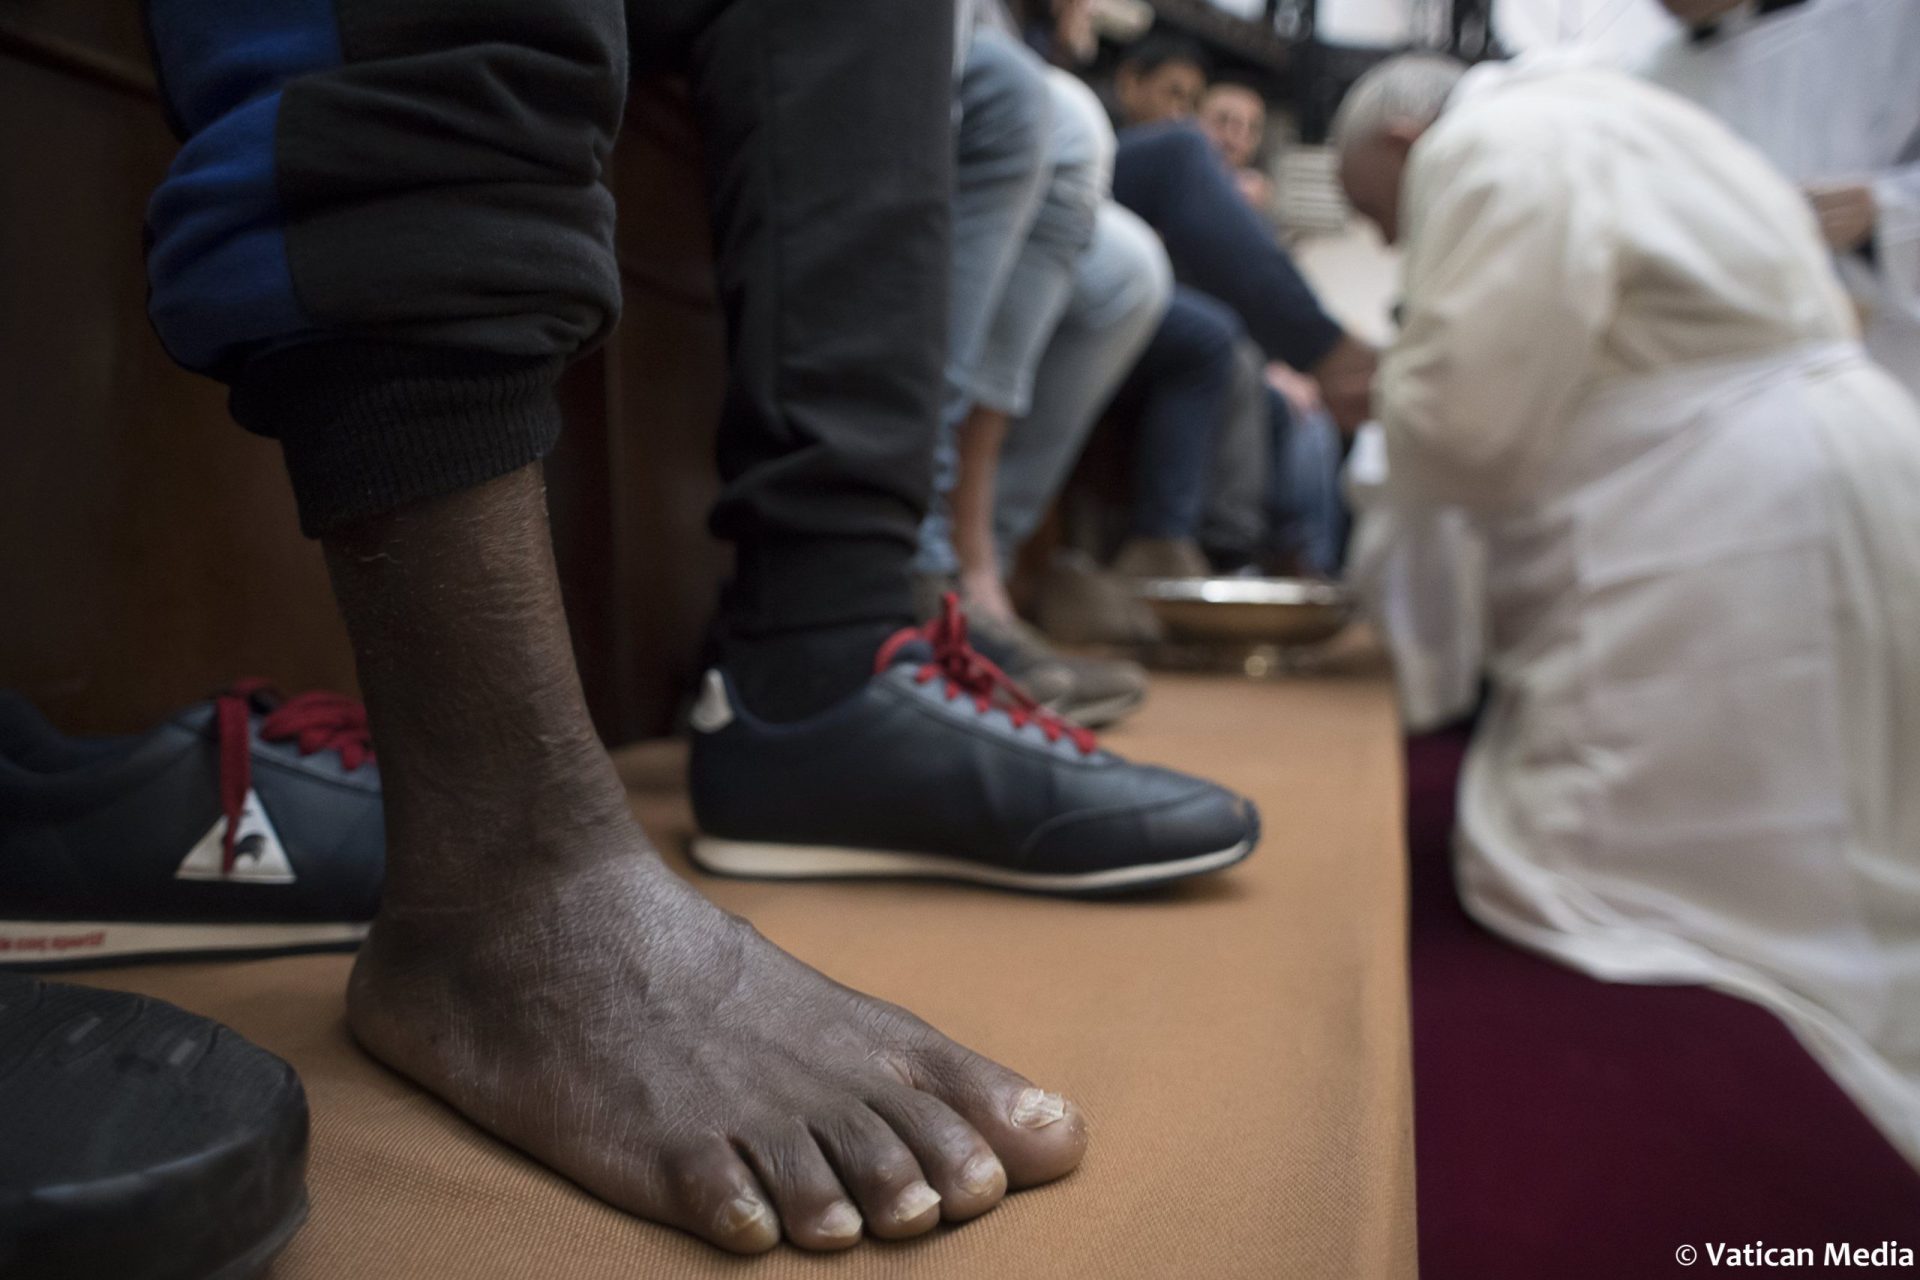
[
  {"x": 504, "y": 846},
  {"x": 791, "y": 675},
  {"x": 987, "y": 594}
]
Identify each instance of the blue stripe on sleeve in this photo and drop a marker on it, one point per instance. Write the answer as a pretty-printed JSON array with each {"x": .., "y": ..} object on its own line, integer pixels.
[
  {"x": 216, "y": 55},
  {"x": 217, "y": 261}
]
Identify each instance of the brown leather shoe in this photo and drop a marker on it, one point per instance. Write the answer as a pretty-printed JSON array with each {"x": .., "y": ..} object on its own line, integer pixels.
[
  {"x": 1162, "y": 558},
  {"x": 1080, "y": 603}
]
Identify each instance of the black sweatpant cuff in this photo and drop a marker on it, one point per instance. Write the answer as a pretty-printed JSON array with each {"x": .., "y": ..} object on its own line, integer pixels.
[
  {"x": 799, "y": 583},
  {"x": 370, "y": 426}
]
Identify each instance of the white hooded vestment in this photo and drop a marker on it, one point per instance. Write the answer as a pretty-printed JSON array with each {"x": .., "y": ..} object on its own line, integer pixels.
[{"x": 1625, "y": 354}]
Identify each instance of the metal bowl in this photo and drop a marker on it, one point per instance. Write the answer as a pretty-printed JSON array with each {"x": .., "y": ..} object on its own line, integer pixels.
[{"x": 1277, "y": 611}]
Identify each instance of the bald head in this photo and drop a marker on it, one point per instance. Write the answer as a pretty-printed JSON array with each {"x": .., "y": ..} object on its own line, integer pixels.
[{"x": 1379, "y": 120}]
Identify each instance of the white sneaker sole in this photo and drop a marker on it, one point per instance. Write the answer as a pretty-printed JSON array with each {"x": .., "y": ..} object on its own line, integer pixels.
[
  {"x": 765, "y": 861},
  {"x": 50, "y": 943}
]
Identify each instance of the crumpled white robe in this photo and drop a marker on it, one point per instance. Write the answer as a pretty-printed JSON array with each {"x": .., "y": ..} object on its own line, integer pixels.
[
  {"x": 1419, "y": 572},
  {"x": 1829, "y": 91},
  {"x": 1625, "y": 353}
]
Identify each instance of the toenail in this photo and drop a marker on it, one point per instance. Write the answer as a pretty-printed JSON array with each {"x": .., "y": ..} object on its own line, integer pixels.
[
  {"x": 914, "y": 1202},
  {"x": 743, "y": 1214},
  {"x": 841, "y": 1221},
  {"x": 1036, "y": 1109},
  {"x": 982, "y": 1176}
]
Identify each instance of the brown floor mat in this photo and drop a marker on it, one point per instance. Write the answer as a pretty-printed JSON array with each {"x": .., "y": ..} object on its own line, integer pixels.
[{"x": 1240, "y": 1044}]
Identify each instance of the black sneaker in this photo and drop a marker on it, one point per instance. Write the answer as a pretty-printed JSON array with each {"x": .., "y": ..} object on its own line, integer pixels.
[
  {"x": 242, "y": 825},
  {"x": 141, "y": 1142},
  {"x": 940, "y": 767}
]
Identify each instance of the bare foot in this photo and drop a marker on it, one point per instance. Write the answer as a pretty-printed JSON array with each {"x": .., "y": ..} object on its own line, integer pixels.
[
  {"x": 536, "y": 966},
  {"x": 613, "y": 1024}
]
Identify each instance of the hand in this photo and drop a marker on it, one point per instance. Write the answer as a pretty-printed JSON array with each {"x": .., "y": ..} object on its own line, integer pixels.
[
  {"x": 1345, "y": 375},
  {"x": 1302, "y": 393},
  {"x": 1073, "y": 29},
  {"x": 1846, "y": 212},
  {"x": 1255, "y": 188}
]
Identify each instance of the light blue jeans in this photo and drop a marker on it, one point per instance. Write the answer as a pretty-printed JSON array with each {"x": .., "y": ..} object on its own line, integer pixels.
[
  {"x": 1121, "y": 287},
  {"x": 1042, "y": 259}
]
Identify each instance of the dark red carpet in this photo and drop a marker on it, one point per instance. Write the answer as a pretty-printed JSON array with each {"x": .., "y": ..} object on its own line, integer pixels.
[{"x": 1571, "y": 1128}]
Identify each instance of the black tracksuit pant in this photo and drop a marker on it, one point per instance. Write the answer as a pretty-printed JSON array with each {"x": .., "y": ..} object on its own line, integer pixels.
[{"x": 387, "y": 231}]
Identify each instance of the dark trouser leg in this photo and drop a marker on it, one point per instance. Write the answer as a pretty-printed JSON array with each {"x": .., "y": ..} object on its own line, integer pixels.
[
  {"x": 1307, "y": 514},
  {"x": 1233, "y": 527},
  {"x": 1182, "y": 384},
  {"x": 829, "y": 145},
  {"x": 1174, "y": 179}
]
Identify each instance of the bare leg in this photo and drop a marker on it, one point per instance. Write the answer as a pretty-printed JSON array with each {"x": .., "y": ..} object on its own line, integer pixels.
[
  {"x": 980, "y": 438},
  {"x": 539, "y": 968}
]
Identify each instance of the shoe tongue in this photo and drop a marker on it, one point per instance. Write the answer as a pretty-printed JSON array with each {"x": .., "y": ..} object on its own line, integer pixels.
[{"x": 914, "y": 651}]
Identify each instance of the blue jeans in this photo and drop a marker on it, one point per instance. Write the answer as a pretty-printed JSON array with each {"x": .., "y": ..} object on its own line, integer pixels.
[
  {"x": 1000, "y": 175},
  {"x": 1024, "y": 220},
  {"x": 1174, "y": 178},
  {"x": 1121, "y": 288},
  {"x": 1206, "y": 423},
  {"x": 1306, "y": 514},
  {"x": 1177, "y": 395}
]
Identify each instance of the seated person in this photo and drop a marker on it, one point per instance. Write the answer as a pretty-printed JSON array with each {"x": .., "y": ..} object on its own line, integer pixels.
[
  {"x": 335, "y": 254},
  {"x": 1625, "y": 353},
  {"x": 1034, "y": 158},
  {"x": 1171, "y": 175},
  {"x": 1159, "y": 79},
  {"x": 1233, "y": 115}
]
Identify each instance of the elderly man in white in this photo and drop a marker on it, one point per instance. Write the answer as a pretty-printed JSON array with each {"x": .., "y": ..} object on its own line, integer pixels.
[{"x": 1625, "y": 354}]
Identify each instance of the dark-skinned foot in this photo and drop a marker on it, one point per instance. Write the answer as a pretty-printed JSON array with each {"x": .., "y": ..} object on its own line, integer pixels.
[
  {"x": 537, "y": 967},
  {"x": 604, "y": 1018}
]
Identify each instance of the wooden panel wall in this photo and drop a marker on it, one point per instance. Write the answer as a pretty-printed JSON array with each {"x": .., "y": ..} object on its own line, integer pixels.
[{"x": 148, "y": 551}]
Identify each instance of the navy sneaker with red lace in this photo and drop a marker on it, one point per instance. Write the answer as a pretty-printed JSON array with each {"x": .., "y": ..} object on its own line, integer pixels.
[
  {"x": 942, "y": 767},
  {"x": 242, "y": 825}
]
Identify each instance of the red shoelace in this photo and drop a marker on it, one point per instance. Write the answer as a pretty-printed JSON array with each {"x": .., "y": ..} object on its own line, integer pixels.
[
  {"x": 317, "y": 721},
  {"x": 968, "y": 672}
]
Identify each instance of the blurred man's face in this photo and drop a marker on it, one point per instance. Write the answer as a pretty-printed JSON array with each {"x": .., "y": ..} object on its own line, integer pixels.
[
  {"x": 1235, "y": 118},
  {"x": 1698, "y": 13},
  {"x": 1371, "y": 173},
  {"x": 1170, "y": 91}
]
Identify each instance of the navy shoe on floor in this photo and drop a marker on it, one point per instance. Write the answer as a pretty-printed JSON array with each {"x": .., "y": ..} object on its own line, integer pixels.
[
  {"x": 140, "y": 1141},
  {"x": 243, "y": 825},
  {"x": 941, "y": 767}
]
